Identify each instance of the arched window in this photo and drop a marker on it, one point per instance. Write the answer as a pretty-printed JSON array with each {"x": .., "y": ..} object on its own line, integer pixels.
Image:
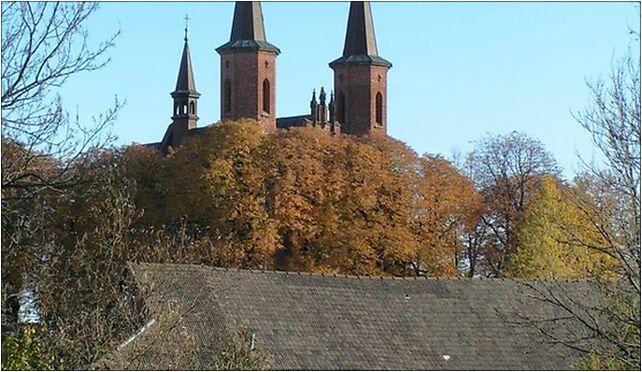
[
  {"x": 266, "y": 96},
  {"x": 341, "y": 109},
  {"x": 184, "y": 109},
  {"x": 227, "y": 94},
  {"x": 192, "y": 108},
  {"x": 379, "y": 109}
]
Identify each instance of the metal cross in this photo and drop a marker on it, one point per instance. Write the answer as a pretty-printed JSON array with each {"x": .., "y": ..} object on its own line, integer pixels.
[{"x": 186, "y": 18}]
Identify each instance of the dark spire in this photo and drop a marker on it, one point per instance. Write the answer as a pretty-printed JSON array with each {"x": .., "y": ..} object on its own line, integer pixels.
[
  {"x": 331, "y": 107},
  {"x": 313, "y": 105},
  {"x": 248, "y": 30},
  {"x": 360, "y": 44},
  {"x": 322, "y": 110},
  {"x": 184, "y": 112},
  {"x": 185, "y": 82},
  {"x": 360, "y": 36},
  {"x": 314, "y": 97},
  {"x": 248, "y": 21}
]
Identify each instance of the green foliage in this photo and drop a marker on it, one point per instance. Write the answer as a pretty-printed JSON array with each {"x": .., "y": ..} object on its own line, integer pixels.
[
  {"x": 23, "y": 351},
  {"x": 236, "y": 353}
]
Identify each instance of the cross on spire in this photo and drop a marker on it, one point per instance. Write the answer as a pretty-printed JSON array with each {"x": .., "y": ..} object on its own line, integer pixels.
[{"x": 186, "y": 18}]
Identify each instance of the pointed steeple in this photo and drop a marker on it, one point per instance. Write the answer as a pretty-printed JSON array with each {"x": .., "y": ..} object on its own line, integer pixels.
[
  {"x": 248, "y": 21},
  {"x": 185, "y": 82},
  {"x": 322, "y": 111},
  {"x": 248, "y": 30},
  {"x": 361, "y": 44},
  {"x": 185, "y": 106},
  {"x": 314, "y": 105},
  {"x": 331, "y": 107}
]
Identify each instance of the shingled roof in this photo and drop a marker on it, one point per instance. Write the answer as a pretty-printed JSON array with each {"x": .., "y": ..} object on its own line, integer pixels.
[{"x": 306, "y": 321}]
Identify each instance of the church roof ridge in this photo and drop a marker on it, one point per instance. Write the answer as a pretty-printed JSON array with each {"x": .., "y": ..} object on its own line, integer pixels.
[{"x": 188, "y": 267}]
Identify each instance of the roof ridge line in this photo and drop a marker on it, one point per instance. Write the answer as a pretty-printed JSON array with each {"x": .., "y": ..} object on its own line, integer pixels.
[{"x": 186, "y": 266}]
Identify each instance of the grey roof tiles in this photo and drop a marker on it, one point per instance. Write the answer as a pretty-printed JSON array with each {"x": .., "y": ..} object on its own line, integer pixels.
[{"x": 337, "y": 322}]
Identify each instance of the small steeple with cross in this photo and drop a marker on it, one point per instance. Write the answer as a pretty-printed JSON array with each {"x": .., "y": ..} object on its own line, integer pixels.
[{"x": 185, "y": 96}]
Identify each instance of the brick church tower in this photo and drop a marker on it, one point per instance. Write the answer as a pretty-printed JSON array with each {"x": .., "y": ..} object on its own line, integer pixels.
[
  {"x": 360, "y": 77},
  {"x": 248, "y": 69}
]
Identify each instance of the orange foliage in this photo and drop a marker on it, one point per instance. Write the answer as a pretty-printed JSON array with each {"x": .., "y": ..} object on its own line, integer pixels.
[{"x": 300, "y": 199}]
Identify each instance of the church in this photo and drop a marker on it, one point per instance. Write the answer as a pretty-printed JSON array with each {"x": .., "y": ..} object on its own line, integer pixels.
[
  {"x": 317, "y": 321},
  {"x": 357, "y": 105}
]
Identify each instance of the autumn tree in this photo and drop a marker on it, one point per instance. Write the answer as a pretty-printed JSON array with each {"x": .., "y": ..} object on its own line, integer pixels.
[
  {"x": 376, "y": 206},
  {"x": 548, "y": 236},
  {"x": 43, "y": 44},
  {"x": 342, "y": 204},
  {"x": 84, "y": 293},
  {"x": 302, "y": 200},
  {"x": 507, "y": 169},
  {"x": 448, "y": 209},
  {"x": 305, "y": 180},
  {"x": 215, "y": 184}
]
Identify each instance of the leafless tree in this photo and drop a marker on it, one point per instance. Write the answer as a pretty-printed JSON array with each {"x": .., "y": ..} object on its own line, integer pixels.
[
  {"x": 43, "y": 44},
  {"x": 607, "y": 320},
  {"x": 475, "y": 240},
  {"x": 613, "y": 121},
  {"x": 506, "y": 169}
]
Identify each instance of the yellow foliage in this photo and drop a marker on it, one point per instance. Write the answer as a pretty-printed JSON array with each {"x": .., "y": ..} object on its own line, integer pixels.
[{"x": 556, "y": 240}]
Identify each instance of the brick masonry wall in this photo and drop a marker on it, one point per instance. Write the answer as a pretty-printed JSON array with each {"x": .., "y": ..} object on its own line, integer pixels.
[
  {"x": 360, "y": 84},
  {"x": 246, "y": 70}
]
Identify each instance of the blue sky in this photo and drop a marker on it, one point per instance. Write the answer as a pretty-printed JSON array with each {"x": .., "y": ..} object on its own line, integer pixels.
[{"x": 460, "y": 70}]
